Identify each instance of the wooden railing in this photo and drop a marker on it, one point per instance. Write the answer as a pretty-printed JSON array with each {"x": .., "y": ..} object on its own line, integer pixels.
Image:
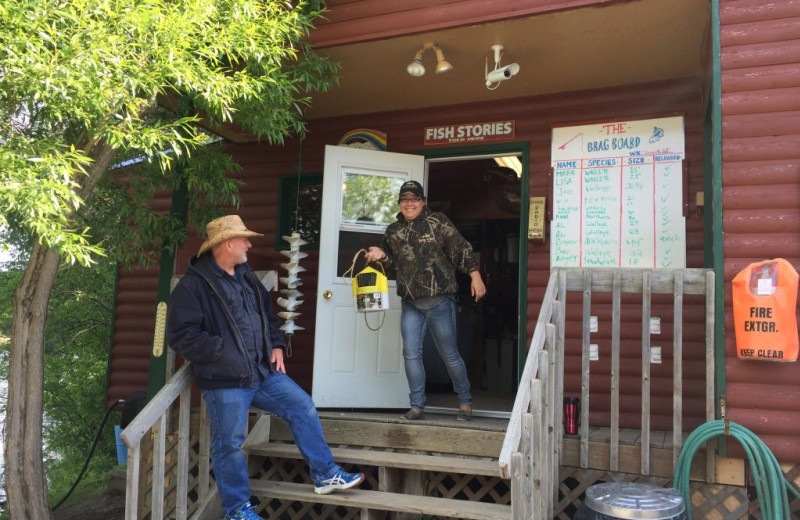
[
  {"x": 148, "y": 434},
  {"x": 532, "y": 450}
]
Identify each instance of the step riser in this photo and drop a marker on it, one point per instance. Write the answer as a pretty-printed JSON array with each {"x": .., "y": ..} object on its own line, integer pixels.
[
  {"x": 441, "y": 463},
  {"x": 416, "y": 437}
]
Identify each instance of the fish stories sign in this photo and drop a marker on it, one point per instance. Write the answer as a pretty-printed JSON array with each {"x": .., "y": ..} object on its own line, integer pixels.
[{"x": 470, "y": 133}]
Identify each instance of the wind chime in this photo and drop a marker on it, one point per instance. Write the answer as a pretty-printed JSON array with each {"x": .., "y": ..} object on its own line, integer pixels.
[{"x": 292, "y": 296}]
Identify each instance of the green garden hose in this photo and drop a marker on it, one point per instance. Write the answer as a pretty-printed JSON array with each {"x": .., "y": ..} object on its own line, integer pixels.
[{"x": 771, "y": 484}]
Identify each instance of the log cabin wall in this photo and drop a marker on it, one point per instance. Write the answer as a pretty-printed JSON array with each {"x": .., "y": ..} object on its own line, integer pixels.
[
  {"x": 760, "y": 62},
  {"x": 263, "y": 165},
  {"x": 134, "y": 321},
  {"x": 351, "y": 21}
]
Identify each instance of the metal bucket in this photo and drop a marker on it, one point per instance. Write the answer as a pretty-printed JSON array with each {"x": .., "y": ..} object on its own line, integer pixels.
[{"x": 631, "y": 501}]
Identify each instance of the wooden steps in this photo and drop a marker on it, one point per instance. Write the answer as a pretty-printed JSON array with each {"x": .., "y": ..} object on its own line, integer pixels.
[
  {"x": 432, "y": 468},
  {"x": 382, "y": 500},
  {"x": 392, "y": 459}
]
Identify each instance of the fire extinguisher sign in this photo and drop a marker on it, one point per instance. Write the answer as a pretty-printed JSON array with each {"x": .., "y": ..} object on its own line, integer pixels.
[{"x": 764, "y": 311}]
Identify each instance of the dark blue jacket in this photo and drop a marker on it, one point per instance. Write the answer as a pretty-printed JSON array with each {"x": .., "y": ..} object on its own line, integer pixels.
[{"x": 201, "y": 328}]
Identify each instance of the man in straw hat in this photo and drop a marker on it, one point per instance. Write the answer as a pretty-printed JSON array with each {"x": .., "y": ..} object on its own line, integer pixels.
[{"x": 220, "y": 319}]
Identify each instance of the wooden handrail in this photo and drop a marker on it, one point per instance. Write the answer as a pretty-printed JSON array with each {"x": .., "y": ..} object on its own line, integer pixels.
[
  {"x": 522, "y": 400},
  {"x": 153, "y": 418},
  {"x": 153, "y": 411}
]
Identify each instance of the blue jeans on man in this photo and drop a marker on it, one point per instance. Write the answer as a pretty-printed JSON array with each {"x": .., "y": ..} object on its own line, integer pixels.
[
  {"x": 441, "y": 318},
  {"x": 228, "y": 412}
]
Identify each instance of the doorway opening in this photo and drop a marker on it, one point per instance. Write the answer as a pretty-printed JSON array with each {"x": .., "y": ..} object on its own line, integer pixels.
[{"x": 482, "y": 196}]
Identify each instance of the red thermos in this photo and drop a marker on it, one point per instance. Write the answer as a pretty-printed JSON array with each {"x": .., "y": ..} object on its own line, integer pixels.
[{"x": 572, "y": 406}]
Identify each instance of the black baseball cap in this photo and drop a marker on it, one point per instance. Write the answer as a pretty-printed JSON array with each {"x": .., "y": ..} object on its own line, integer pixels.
[{"x": 412, "y": 187}]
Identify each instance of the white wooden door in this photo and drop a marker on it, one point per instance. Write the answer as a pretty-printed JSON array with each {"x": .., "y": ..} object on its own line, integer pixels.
[{"x": 355, "y": 366}]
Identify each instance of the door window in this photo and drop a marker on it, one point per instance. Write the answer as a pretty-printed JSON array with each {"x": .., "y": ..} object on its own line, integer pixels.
[
  {"x": 369, "y": 201},
  {"x": 369, "y": 204}
]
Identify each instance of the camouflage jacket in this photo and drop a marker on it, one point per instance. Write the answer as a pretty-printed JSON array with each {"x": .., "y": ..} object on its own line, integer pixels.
[{"x": 425, "y": 253}]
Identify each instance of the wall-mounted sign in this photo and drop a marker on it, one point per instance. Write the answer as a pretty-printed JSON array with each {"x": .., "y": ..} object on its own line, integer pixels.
[
  {"x": 618, "y": 195},
  {"x": 536, "y": 214},
  {"x": 365, "y": 138},
  {"x": 764, "y": 301},
  {"x": 470, "y": 133}
]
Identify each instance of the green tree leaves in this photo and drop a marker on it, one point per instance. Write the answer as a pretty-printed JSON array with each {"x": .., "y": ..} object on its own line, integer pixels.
[
  {"x": 77, "y": 342},
  {"x": 80, "y": 77},
  {"x": 82, "y": 88}
]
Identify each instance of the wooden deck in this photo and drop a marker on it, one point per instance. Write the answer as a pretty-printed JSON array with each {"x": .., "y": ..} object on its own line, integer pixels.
[
  {"x": 402, "y": 457},
  {"x": 629, "y": 453},
  {"x": 446, "y": 417}
]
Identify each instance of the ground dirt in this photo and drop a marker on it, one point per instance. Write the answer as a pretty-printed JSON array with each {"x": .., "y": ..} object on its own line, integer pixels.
[
  {"x": 105, "y": 506},
  {"x": 108, "y": 505}
]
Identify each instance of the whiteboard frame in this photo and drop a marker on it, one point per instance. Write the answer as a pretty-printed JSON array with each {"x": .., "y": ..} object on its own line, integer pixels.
[{"x": 629, "y": 165}]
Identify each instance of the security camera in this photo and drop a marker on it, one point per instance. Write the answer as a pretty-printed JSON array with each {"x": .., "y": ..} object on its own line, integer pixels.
[{"x": 502, "y": 73}]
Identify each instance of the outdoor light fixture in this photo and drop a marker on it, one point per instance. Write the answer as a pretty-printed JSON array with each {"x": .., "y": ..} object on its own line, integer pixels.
[
  {"x": 417, "y": 69},
  {"x": 499, "y": 73}
]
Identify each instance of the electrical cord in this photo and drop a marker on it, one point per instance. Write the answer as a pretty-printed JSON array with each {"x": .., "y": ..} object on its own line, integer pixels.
[
  {"x": 770, "y": 482},
  {"x": 91, "y": 453}
]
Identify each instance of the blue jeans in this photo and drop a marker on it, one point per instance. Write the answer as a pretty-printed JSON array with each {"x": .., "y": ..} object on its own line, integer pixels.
[
  {"x": 228, "y": 411},
  {"x": 442, "y": 321}
]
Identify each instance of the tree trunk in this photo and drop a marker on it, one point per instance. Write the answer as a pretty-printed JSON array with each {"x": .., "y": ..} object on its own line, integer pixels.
[{"x": 26, "y": 487}]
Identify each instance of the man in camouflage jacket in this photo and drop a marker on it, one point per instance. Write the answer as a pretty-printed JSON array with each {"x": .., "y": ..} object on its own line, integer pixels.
[{"x": 425, "y": 249}]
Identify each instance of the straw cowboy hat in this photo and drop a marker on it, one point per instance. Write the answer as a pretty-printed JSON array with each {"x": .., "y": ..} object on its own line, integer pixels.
[{"x": 225, "y": 228}]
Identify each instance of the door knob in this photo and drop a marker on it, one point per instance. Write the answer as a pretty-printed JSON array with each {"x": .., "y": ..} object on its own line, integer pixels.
[{"x": 327, "y": 294}]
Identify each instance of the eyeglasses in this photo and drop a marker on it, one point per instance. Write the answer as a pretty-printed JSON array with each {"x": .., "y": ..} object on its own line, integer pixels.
[{"x": 413, "y": 200}]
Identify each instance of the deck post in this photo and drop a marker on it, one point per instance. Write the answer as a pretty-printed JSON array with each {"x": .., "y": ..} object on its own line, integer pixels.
[
  {"x": 520, "y": 490},
  {"x": 585, "y": 366},
  {"x": 646, "y": 312},
  {"x": 616, "y": 319},
  {"x": 677, "y": 367}
]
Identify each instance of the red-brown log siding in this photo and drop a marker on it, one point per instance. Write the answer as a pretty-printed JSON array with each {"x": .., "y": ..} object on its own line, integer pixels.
[
  {"x": 761, "y": 194},
  {"x": 534, "y": 116},
  {"x": 352, "y": 21}
]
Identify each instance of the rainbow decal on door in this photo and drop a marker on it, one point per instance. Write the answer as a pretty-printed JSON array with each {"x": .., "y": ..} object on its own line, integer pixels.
[{"x": 364, "y": 138}]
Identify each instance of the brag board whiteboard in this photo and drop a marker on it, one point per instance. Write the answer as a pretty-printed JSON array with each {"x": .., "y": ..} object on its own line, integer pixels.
[{"x": 618, "y": 195}]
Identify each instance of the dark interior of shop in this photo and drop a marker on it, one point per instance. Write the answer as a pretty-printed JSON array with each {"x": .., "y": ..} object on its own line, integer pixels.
[{"x": 483, "y": 201}]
